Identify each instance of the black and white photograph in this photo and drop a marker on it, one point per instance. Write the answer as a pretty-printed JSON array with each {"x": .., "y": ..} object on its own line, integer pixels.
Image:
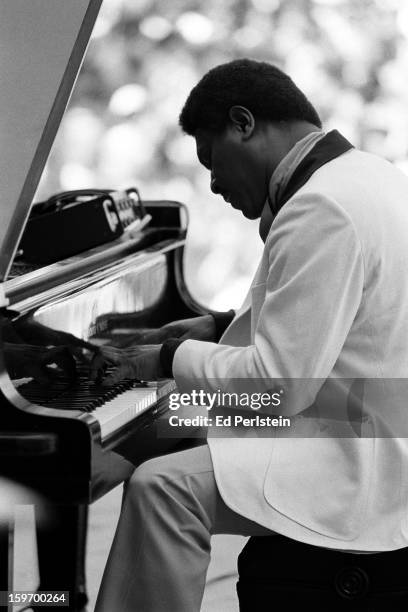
[{"x": 203, "y": 305}]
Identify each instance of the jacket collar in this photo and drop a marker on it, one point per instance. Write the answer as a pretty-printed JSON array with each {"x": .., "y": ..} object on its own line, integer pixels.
[
  {"x": 285, "y": 169},
  {"x": 307, "y": 156}
]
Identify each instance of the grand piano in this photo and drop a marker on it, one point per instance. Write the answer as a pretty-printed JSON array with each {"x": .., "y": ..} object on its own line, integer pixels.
[{"x": 71, "y": 442}]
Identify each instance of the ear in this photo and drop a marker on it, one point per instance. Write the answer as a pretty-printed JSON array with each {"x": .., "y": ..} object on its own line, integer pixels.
[{"x": 242, "y": 120}]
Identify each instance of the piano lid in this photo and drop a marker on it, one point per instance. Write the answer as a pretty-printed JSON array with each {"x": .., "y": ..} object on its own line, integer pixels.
[{"x": 42, "y": 45}]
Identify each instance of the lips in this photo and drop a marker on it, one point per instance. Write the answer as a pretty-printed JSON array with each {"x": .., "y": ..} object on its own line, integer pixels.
[{"x": 228, "y": 198}]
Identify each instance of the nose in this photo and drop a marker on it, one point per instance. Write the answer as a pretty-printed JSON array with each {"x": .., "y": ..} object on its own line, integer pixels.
[{"x": 213, "y": 184}]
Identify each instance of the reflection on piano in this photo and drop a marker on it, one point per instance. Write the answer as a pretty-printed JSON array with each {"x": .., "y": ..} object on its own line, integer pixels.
[
  {"x": 114, "y": 407},
  {"x": 73, "y": 442}
]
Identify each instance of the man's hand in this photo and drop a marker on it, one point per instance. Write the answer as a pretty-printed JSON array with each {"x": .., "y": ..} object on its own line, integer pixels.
[
  {"x": 23, "y": 360},
  {"x": 142, "y": 362},
  {"x": 139, "y": 363},
  {"x": 33, "y": 333},
  {"x": 196, "y": 328}
]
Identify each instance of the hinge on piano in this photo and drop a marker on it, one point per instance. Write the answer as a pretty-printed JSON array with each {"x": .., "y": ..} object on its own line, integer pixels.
[{"x": 4, "y": 301}]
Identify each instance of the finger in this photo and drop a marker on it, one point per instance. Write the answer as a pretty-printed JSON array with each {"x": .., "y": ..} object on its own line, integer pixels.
[
  {"x": 111, "y": 354},
  {"x": 62, "y": 358},
  {"x": 93, "y": 348},
  {"x": 75, "y": 342},
  {"x": 160, "y": 336},
  {"x": 143, "y": 336},
  {"x": 154, "y": 336},
  {"x": 125, "y": 370},
  {"x": 83, "y": 355},
  {"x": 98, "y": 367},
  {"x": 40, "y": 375},
  {"x": 133, "y": 352},
  {"x": 167, "y": 332},
  {"x": 51, "y": 373},
  {"x": 78, "y": 353}
]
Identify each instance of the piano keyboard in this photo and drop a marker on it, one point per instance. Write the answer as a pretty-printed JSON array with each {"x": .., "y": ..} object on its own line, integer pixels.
[
  {"x": 128, "y": 405},
  {"x": 113, "y": 406}
]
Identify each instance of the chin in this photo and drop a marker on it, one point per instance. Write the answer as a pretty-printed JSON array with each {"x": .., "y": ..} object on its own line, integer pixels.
[
  {"x": 244, "y": 211},
  {"x": 250, "y": 214},
  {"x": 249, "y": 210}
]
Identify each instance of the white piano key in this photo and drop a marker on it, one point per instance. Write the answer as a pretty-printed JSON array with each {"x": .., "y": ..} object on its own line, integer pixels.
[{"x": 124, "y": 408}]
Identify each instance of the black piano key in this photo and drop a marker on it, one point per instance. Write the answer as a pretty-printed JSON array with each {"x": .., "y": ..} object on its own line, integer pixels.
[{"x": 79, "y": 393}]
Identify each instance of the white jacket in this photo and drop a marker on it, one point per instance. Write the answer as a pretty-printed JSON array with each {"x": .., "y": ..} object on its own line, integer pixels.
[{"x": 329, "y": 301}]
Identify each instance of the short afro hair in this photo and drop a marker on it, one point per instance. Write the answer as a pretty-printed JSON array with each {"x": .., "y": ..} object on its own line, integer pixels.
[{"x": 262, "y": 88}]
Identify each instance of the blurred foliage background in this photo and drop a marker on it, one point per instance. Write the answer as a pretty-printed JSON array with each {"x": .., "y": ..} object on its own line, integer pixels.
[{"x": 121, "y": 127}]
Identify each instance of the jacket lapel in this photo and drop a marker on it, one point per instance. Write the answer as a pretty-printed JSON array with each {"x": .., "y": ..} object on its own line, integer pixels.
[{"x": 331, "y": 146}]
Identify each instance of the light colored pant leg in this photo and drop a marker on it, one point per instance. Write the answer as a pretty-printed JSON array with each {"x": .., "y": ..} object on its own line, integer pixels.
[{"x": 161, "y": 550}]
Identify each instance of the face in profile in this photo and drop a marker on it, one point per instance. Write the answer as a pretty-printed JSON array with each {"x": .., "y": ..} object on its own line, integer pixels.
[{"x": 236, "y": 171}]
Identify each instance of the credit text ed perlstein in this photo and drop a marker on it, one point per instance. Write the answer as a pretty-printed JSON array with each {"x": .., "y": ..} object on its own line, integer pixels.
[{"x": 253, "y": 401}]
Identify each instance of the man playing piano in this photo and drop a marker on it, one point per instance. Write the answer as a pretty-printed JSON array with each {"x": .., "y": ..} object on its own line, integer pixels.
[
  {"x": 34, "y": 350},
  {"x": 327, "y": 304}
]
